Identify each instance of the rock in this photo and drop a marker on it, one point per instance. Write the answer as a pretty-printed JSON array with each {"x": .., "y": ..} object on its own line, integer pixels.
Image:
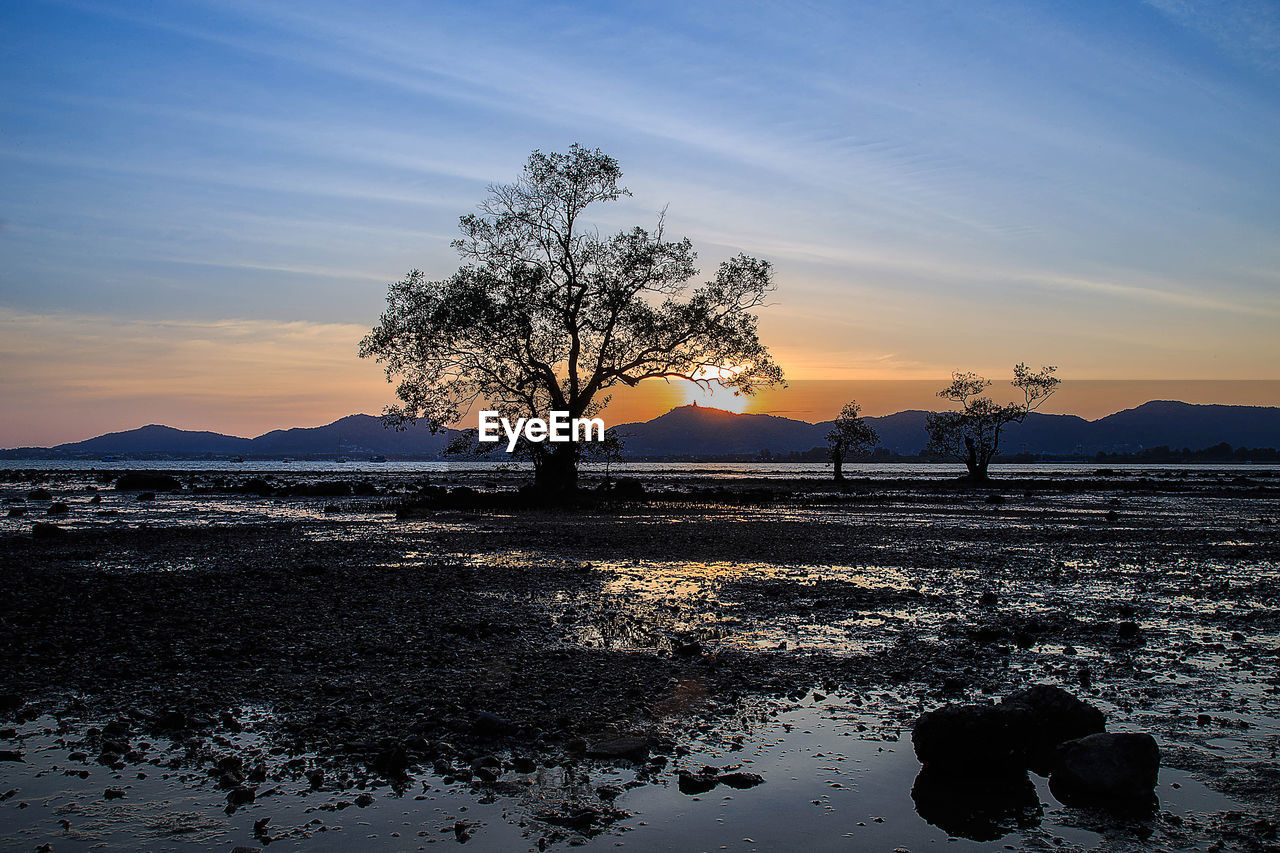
[
  {"x": 17, "y": 512},
  {"x": 241, "y": 796},
  {"x": 95, "y": 500},
  {"x": 487, "y": 724},
  {"x": 972, "y": 739},
  {"x": 1056, "y": 716},
  {"x": 44, "y": 530},
  {"x": 740, "y": 780},
  {"x": 364, "y": 800},
  {"x": 141, "y": 481},
  {"x": 627, "y": 747},
  {"x": 10, "y": 755},
  {"x": 229, "y": 764},
  {"x": 172, "y": 720},
  {"x": 112, "y": 794},
  {"x": 146, "y": 496},
  {"x": 39, "y": 495},
  {"x": 689, "y": 649},
  {"x": 58, "y": 508},
  {"x": 982, "y": 810},
  {"x": 392, "y": 762},
  {"x": 697, "y": 783},
  {"x": 243, "y": 849},
  {"x": 1118, "y": 771},
  {"x": 256, "y": 486},
  {"x": 576, "y": 816},
  {"x": 627, "y": 489},
  {"x": 523, "y": 765}
]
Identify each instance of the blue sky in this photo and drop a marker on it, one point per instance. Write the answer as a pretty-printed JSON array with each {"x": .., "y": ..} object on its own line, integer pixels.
[{"x": 940, "y": 185}]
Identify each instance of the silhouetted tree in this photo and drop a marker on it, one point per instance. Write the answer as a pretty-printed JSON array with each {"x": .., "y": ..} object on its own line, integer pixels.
[
  {"x": 849, "y": 434},
  {"x": 546, "y": 314},
  {"x": 607, "y": 453},
  {"x": 973, "y": 433}
]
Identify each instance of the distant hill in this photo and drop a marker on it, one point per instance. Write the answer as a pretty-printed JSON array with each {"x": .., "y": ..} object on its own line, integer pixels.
[
  {"x": 159, "y": 439},
  {"x": 693, "y": 431},
  {"x": 698, "y": 430},
  {"x": 354, "y": 435}
]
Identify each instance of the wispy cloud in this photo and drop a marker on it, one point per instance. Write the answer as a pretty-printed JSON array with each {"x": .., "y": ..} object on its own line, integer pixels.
[{"x": 1247, "y": 30}]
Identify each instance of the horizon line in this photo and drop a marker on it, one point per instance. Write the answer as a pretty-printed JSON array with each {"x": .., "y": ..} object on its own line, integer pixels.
[{"x": 691, "y": 405}]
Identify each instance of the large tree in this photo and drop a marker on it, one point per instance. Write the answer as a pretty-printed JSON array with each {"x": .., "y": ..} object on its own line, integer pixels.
[
  {"x": 545, "y": 313},
  {"x": 849, "y": 434},
  {"x": 972, "y": 434}
]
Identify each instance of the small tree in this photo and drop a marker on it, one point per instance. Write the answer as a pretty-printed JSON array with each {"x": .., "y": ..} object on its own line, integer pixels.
[
  {"x": 849, "y": 434},
  {"x": 972, "y": 434},
  {"x": 607, "y": 453},
  {"x": 547, "y": 314}
]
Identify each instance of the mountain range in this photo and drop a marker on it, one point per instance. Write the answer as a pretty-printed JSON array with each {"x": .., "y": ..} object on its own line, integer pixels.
[{"x": 699, "y": 431}]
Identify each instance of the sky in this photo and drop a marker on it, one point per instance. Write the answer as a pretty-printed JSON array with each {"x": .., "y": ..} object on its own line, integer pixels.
[{"x": 202, "y": 204}]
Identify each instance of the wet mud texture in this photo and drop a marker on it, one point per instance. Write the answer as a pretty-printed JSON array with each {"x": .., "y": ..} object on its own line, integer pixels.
[{"x": 383, "y": 647}]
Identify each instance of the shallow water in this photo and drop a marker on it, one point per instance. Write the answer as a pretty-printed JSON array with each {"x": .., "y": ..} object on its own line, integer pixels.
[{"x": 837, "y": 777}]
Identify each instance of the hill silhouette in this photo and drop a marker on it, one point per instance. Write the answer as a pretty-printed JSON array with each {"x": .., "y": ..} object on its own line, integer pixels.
[{"x": 693, "y": 431}]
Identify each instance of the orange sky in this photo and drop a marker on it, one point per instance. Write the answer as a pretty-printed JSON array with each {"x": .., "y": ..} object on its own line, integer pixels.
[{"x": 66, "y": 378}]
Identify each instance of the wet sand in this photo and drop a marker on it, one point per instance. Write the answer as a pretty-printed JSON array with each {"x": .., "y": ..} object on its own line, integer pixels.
[{"x": 522, "y": 678}]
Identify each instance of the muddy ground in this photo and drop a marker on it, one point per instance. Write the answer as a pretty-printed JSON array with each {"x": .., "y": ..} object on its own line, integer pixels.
[{"x": 478, "y": 646}]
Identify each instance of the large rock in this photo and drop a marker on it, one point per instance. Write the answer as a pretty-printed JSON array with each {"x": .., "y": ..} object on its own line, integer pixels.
[
  {"x": 1056, "y": 717},
  {"x": 1114, "y": 770},
  {"x": 392, "y": 762},
  {"x": 43, "y": 530},
  {"x": 972, "y": 739}
]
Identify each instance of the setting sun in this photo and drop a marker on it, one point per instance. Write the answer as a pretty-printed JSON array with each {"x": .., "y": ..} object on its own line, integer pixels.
[{"x": 713, "y": 394}]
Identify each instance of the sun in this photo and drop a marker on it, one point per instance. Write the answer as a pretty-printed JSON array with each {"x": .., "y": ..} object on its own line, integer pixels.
[{"x": 717, "y": 396}]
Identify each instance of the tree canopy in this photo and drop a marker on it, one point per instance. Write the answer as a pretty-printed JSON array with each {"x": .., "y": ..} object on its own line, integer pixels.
[
  {"x": 849, "y": 434},
  {"x": 545, "y": 313},
  {"x": 972, "y": 434}
]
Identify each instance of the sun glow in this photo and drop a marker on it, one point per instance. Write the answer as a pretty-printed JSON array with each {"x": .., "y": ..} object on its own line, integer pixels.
[{"x": 714, "y": 395}]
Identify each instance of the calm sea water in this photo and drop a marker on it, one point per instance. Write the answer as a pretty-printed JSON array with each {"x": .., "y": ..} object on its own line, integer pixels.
[{"x": 641, "y": 470}]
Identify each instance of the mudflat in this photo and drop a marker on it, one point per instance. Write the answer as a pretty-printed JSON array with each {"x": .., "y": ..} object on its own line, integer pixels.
[{"x": 305, "y": 650}]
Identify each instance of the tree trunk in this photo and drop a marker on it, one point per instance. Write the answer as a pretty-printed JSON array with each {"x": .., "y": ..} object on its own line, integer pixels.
[
  {"x": 837, "y": 462},
  {"x": 558, "y": 473},
  {"x": 977, "y": 467}
]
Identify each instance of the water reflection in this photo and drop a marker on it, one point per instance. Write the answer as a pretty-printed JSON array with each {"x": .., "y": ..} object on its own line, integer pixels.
[{"x": 976, "y": 806}]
